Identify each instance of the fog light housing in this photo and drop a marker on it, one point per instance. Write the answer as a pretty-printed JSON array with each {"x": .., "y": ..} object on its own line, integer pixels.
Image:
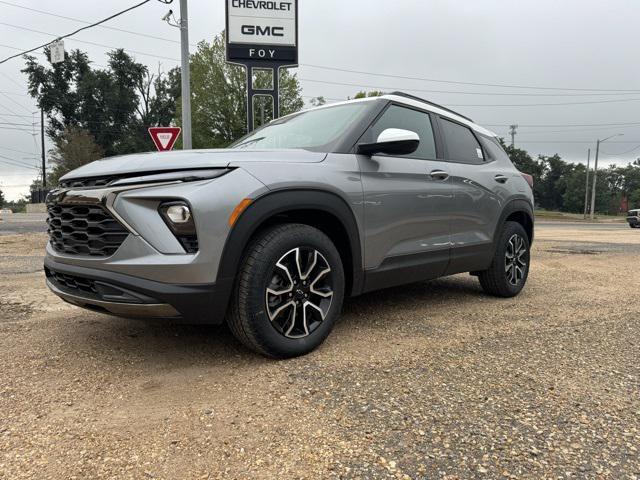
[
  {"x": 178, "y": 214},
  {"x": 178, "y": 217}
]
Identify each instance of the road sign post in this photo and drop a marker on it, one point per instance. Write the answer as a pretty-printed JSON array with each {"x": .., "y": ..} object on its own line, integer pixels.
[
  {"x": 164, "y": 138},
  {"x": 262, "y": 35}
]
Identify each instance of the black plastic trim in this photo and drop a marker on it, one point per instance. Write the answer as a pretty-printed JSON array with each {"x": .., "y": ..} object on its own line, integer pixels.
[
  {"x": 515, "y": 206},
  {"x": 404, "y": 269},
  {"x": 199, "y": 303},
  {"x": 279, "y": 202}
]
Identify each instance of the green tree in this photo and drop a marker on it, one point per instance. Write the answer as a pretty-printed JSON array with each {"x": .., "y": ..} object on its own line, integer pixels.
[
  {"x": 74, "y": 148},
  {"x": 218, "y": 97},
  {"x": 574, "y": 188},
  {"x": 2, "y": 199},
  {"x": 115, "y": 104},
  {"x": 318, "y": 101},
  {"x": 364, "y": 94}
]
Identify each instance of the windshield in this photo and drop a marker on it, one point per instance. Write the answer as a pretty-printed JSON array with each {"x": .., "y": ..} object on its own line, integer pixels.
[{"x": 312, "y": 130}]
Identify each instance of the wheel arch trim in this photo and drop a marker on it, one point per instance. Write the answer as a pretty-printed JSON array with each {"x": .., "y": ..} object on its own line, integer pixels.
[
  {"x": 278, "y": 202},
  {"x": 515, "y": 206}
]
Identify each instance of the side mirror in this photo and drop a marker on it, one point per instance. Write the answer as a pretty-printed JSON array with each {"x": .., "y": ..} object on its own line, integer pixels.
[{"x": 392, "y": 141}]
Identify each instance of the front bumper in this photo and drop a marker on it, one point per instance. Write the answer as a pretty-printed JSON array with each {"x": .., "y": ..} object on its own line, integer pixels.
[{"x": 132, "y": 297}]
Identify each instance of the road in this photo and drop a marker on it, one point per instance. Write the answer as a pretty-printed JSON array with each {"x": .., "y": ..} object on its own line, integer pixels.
[
  {"x": 431, "y": 380},
  {"x": 22, "y": 223}
]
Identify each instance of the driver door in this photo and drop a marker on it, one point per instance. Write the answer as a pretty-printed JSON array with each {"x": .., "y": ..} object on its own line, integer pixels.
[{"x": 407, "y": 204}]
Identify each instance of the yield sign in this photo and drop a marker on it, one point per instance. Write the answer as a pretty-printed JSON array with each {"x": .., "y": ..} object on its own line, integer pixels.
[{"x": 164, "y": 137}]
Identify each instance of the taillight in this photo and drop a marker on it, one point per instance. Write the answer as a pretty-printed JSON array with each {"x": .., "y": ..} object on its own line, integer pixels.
[{"x": 528, "y": 178}]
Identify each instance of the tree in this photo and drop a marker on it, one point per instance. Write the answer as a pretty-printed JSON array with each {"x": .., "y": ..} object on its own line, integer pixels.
[
  {"x": 74, "y": 148},
  {"x": 218, "y": 93},
  {"x": 2, "y": 199},
  {"x": 114, "y": 105},
  {"x": 372, "y": 93},
  {"x": 318, "y": 101}
]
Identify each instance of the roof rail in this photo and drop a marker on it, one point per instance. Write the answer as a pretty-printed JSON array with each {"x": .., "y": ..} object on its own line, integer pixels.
[{"x": 413, "y": 97}]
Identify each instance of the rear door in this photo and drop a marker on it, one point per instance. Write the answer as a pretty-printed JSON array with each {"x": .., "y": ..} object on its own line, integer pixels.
[
  {"x": 408, "y": 201},
  {"x": 479, "y": 188}
]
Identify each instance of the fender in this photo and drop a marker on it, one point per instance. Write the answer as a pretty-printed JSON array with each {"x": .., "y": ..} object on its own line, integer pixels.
[
  {"x": 514, "y": 206},
  {"x": 280, "y": 202}
]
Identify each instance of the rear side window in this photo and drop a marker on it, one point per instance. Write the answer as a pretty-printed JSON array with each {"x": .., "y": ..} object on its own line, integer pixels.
[
  {"x": 462, "y": 145},
  {"x": 408, "y": 119},
  {"x": 493, "y": 149}
]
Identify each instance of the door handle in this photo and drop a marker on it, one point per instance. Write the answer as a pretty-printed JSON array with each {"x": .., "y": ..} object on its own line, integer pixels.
[
  {"x": 439, "y": 175},
  {"x": 501, "y": 178}
]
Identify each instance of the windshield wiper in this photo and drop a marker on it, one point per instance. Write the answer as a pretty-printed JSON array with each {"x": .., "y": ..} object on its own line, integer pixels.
[{"x": 249, "y": 142}]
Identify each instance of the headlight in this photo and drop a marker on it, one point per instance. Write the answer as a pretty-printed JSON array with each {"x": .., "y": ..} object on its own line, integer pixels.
[{"x": 177, "y": 215}]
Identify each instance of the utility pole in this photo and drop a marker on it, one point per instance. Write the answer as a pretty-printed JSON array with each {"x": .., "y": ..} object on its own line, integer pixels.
[
  {"x": 586, "y": 188},
  {"x": 512, "y": 131},
  {"x": 44, "y": 160},
  {"x": 595, "y": 174},
  {"x": 186, "y": 77},
  {"x": 595, "y": 180}
]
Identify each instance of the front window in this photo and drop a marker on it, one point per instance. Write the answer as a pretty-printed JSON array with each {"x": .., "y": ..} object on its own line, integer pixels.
[{"x": 312, "y": 130}]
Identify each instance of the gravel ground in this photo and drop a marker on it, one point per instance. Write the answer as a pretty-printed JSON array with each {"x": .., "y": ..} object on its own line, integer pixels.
[{"x": 433, "y": 380}]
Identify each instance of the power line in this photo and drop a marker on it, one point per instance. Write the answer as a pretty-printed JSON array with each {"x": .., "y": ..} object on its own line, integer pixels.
[
  {"x": 19, "y": 151},
  {"x": 86, "y": 42},
  {"x": 15, "y": 163},
  {"x": 358, "y": 85},
  {"x": 20, "y": 124},
  {"x": 18, "y": 129},
  {"x": 454, "y": 92},
  {"x": 87, "y": 22},
  {"x": 501, "y": 85},
  {"x": 545, "y": 125},
  {"x": 14, "y": 102},
  {"x": 621, "y": 153},
  {"x": 81, "y": 29}
]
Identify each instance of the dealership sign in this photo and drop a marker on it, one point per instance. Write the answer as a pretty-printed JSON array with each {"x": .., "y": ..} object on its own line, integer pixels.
[{"x": 262, "y": 31}]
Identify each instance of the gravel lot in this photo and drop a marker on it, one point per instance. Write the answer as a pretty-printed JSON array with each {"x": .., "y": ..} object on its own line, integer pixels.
[{"x": 434, "y": 380}]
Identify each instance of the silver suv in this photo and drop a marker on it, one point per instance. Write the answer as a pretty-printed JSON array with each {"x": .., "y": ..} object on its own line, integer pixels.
[{"x": 272, "y": 233}]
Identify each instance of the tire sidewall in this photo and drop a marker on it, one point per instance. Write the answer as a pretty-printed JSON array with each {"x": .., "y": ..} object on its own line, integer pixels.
[
  {"x": 510, "y": 229},
  {"x": 274, "y": 341}
]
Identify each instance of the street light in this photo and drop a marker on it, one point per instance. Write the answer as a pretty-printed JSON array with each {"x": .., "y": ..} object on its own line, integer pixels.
[{"x": 595, "y": 174}]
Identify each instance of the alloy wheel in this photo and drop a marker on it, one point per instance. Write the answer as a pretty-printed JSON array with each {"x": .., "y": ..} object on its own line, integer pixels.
[
  {"x": 299, "y": 294},
  {"x": 516, "y": 259}
]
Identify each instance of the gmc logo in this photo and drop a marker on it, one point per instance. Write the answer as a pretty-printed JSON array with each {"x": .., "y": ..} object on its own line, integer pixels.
[{"x": 257, "y": 30}]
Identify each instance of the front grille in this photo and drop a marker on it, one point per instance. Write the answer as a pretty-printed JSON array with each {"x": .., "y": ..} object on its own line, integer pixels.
[
  {"x": 71, "y": 282},
  {"x": 84, "y": 230}
]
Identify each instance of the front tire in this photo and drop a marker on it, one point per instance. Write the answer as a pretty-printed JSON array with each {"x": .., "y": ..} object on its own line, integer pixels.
[
  {"x": 289, "y": 291},
  {"x": 509, "y": 269}
]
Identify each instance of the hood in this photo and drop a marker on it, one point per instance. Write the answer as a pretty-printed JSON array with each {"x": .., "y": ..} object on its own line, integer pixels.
[{"x": 189, "y": 159}]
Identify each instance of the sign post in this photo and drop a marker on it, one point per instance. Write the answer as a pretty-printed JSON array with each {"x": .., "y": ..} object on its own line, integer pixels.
[
  {"x": 262, "y": 35},
  {"x": 164, "y": 138}
]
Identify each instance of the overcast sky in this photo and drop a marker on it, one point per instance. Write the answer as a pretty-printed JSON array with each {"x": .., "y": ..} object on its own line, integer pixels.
[{"x": 588, "y": 47}]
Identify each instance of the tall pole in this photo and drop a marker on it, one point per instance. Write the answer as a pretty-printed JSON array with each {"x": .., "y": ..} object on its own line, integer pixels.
[
  {"x": 586, "y": 188},
  {"x": 186, "y": 76},
  {"x": 595, "y": 179},
  {"x": 512, "y": 132},
  {"x": 44, "y": 160}
]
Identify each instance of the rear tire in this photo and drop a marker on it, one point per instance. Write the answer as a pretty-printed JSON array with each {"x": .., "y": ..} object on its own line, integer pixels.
[
  {"x": 509, "y": 269},
  {"x": 289, "y": 291}
]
